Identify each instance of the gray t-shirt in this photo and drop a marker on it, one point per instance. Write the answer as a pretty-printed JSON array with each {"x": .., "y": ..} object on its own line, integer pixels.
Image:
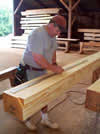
[{"x": 41, "y": 43}]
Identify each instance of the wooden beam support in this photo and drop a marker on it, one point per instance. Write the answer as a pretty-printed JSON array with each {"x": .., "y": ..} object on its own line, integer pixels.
[
  {"x": 19, "y": 5},
  {"x": 65, "y": 5},
  {"x": 70, "y": 19},
  {"x": 42, "y": 91},
  {"x": 74, "y": 6},
  {"x": 41, "y": 3},
  {"x": 70, "y": 8}
]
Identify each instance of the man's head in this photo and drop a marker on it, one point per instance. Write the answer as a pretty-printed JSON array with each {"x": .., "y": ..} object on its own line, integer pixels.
[{"x": 56, "y": 25}]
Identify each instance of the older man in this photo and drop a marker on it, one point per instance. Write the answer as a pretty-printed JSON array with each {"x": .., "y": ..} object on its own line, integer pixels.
[{"x": 40, "y": 55}]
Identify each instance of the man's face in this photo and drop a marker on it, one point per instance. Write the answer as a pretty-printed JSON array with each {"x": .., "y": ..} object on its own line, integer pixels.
[{"x": 55, "y": 31}]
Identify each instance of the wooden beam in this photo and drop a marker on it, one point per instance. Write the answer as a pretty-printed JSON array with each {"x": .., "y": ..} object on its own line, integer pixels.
[
  {"x": 70, "y": 19},
  {"x": 36, "y": 96},
  {"x": 19, "y": 5},
  {"x": 65, "y": 5},
  {"x": 43, "y": 11},
  {"x": 35, "y": 21},
  {"x": 66, "y": 39},
  {"x": 41, "y": 3},
  {"x": 92, "y": 34},
  {"x": 37, "y": 15},
  {"x": 74, "y": 6},
  {"x": 89, "y": 30},
  {"x": 38, "y": 18},
  {"x": 69, "y": 8},
  {"x": 91, "y": 38},
  {"x": 93, "y": 97}
]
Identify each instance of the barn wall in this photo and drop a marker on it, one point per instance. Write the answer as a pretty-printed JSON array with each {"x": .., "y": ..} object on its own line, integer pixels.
[{"x": 88, "y": 12}]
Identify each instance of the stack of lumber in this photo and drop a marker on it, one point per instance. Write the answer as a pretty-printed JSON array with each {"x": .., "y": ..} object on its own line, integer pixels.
[
  {"x": 30, "y": 20},
  {"x": 19, "y": 41},
  {"x": 26, "y": 99},
  {"x": 91, "y": 34}
]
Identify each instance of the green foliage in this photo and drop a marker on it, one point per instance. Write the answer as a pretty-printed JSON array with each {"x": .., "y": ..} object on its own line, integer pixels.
[{"x": 5, "y": 21}]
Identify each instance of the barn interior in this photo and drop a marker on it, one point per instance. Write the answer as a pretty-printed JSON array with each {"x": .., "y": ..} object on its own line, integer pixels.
[{"x": 83, "y": 27}]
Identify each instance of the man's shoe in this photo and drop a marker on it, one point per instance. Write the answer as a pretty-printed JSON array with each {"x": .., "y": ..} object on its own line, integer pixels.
[
  {"x": 49, "y": 124},
  {"x": 30, "y": 126}
]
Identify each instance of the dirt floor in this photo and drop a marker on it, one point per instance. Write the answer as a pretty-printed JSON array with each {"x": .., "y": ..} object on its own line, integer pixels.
[{"x": 71, "y": 114}]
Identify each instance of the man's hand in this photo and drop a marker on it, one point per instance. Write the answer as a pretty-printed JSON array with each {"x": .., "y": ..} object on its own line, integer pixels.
[
  {"x": 40, "y": 60},
  {"x": 57, "y": 69}
]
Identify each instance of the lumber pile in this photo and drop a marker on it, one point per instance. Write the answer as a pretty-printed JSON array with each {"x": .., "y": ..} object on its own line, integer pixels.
[
  {"x": 30, "y": 20},
  {"x": 91, "y": 34},
  {"x": 93, "y": 97},
  {"x": 26, "y": 99}
]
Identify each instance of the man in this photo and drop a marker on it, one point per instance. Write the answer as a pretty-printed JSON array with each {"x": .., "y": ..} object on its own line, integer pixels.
[{"x": 40, "y": 55}]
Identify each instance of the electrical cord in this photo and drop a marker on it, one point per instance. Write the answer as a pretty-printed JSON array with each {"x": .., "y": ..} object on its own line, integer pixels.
[
  {"x": 68, "y": 96},
  {"x": 79, "y": 93}
]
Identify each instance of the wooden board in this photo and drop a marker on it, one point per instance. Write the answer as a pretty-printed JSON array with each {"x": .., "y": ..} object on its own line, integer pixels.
[
  {"x": 20, "y": 37},
  {"x": 37, "y": 15},
  {"x": 66, "y": 39},
  {"x": 16, "y": 45},
  {"x": 43, "y": 11},
  {"x": 92, "y": 43},
  {"x": 31, "y": 25},
  {"x": 93, "y": 97},
  {"x": 91, "y": 34},
  {"x": 35, "y": 19},
  {"x": 36, "y": 96},
  {"x": 28, "y": 28},
  {"x": 89, "y": 30},
  {"x": 34, "y": 22},
  {"x": 92, "y": 38},
  {"x": 19, "y": 42}
]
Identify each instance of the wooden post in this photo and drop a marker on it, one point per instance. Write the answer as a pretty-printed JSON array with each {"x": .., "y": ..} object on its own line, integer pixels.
[
  {"x": 69, "y": 19},
  {"x": 19, "y": 5},
  {"x": 70, "y": 8}
]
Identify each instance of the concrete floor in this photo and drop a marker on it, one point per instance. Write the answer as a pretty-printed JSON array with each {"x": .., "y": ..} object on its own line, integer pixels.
[{"x": 72, "y": 118}]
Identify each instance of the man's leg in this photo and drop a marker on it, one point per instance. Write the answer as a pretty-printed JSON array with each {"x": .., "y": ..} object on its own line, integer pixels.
[
  {"x": 81, "y": 47},
  {"x": 67, "y": 47},
  {"x": 45, "y": 119}
]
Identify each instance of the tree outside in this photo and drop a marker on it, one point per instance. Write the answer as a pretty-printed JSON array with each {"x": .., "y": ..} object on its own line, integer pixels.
[{"x": 5, "y": 21}]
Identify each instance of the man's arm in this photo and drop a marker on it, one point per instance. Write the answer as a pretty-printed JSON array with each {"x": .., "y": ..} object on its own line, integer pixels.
[{"x": 40, "y": 60}]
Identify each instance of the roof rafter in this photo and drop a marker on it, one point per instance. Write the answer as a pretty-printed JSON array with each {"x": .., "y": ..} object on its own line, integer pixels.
[{"x": 41, "y": 3}]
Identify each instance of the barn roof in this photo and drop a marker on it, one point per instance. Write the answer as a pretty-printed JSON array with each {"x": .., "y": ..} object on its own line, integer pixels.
[{"x": 84, "y": 5}]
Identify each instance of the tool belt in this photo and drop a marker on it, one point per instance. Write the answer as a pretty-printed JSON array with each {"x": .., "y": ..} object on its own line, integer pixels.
[
  {"x": 20, "y": 76},
  {"x": 33, "y": 68}
]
